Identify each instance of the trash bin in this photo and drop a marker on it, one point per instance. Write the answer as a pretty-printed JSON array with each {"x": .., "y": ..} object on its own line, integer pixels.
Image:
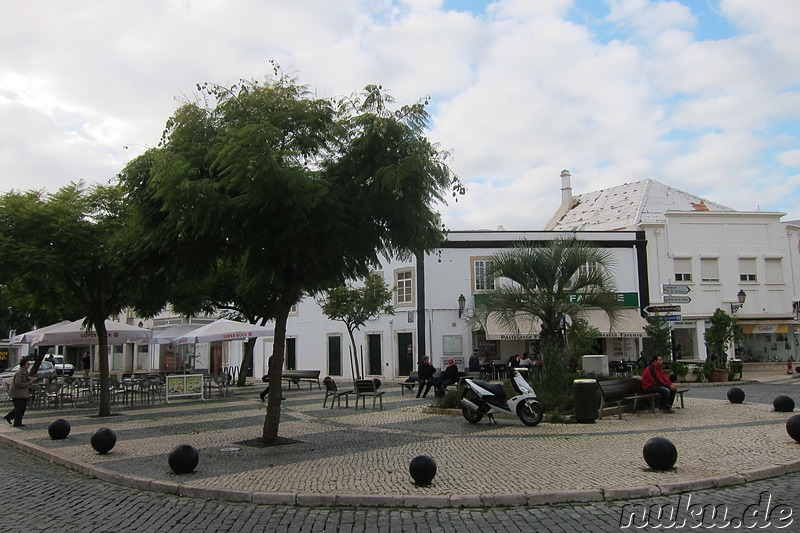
[{"x": 586, "y": 400}]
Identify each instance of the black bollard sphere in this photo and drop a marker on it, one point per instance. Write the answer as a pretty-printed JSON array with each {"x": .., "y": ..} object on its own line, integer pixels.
[
  {"x": 377, "y": 383},
  {"x": 735, "y": 395},
  {"x": 783, "y": 404},
  {"x": 183, "y": 459},
  {"x": 793, "y": 427},
  {"x": 660, "y": 454},
  {"x": 422, "y": 469},
  {"x": 103, "y": 440},
  {"x": 59, "y": 429}
]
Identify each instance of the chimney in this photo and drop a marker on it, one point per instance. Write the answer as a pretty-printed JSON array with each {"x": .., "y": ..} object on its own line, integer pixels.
[{"x": 566, "y": 189}]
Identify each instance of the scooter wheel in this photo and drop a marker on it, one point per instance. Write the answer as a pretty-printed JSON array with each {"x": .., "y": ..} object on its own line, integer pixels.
[
  {"x": 473, "y": 417},
  {"x": 530, "y": 413}
]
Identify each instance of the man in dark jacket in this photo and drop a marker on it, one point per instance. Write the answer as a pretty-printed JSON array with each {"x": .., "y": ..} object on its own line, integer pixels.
[{"x": 449, "y": 376}]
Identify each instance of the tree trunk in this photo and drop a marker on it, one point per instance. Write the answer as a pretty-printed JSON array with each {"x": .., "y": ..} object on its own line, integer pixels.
[
  {"x": 247, "y": 361},
  {"x": 102, "y": 348},
  {"x": 273, "y": 417},
  {"x": 357, "y": 372}
]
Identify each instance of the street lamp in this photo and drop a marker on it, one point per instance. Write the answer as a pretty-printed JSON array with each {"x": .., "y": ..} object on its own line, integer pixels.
[
  {"x": 462, "y": 302},
  {"x": 741, "y": 296}
]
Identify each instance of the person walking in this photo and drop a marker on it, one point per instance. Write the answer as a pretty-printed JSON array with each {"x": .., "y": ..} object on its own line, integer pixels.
[
  {"x": 86, "y": 362},
  {"x": 655, "y": 380},
  {"x": 19, "y": 393}
]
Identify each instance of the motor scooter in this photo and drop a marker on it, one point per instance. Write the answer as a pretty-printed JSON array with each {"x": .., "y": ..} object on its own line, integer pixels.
[{"x": 482, "y": 398}]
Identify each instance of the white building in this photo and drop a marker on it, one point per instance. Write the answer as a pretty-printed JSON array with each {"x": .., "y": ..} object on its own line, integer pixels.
[
  {"x": 427, "y": 318},
  {"x": 713, "y": 251}
]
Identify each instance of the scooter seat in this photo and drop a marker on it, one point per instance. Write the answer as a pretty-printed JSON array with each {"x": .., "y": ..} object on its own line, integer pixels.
[{"x": 494, "y": 388}]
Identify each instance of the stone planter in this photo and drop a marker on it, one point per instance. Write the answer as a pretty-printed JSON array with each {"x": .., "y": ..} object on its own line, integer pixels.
[{"x": 719, "y": 375}]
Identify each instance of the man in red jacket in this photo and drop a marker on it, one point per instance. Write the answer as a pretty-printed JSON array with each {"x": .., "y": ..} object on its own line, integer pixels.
[{"x": 654, "y": 380}]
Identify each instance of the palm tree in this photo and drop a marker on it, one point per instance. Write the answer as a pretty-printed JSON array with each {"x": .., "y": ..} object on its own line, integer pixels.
[{"x": 563, "y": 277}]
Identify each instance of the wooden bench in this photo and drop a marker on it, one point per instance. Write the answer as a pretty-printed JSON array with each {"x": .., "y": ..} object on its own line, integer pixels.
[
  {"x": 410, "y": 383},
  {"x": 296, "y": 376},
  {"x": 615, "y": 392}
]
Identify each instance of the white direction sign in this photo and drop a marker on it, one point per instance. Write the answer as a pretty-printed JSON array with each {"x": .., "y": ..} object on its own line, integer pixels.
[
  {"x": 669, "y": 288},
  {"x": 676, "y": 299}
]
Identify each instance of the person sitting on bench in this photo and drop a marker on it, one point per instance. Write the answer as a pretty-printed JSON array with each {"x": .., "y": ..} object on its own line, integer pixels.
[{"x": 655, "y": 380}]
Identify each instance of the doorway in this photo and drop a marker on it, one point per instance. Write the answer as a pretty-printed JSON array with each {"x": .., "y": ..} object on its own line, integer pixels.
[
  {"x": 405, "y": 353},
  {"x": 335, "y": 355},
  {"x": 291, "y": 353},
  {"x": 375, "y": 354}
]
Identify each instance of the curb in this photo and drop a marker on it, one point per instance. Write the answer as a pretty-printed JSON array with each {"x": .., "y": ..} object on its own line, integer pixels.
[{"x": 412, "y": 501}]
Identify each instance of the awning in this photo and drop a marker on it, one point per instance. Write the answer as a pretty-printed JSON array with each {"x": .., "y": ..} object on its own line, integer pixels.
[
  {"x": 527, "y": 328},
  {"x": 629, "y": 323},
  {"x": 749, "y": 329}
]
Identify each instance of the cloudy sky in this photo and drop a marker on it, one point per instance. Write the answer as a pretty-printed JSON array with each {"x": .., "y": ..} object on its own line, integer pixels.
[{"x": 703, "y": 95}]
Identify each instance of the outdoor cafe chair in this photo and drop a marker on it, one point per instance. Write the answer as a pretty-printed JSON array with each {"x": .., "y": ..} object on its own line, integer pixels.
[{"x": 335, "y": 394}]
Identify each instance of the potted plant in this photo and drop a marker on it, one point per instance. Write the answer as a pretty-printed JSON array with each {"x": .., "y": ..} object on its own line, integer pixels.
[
  {"x": 723, "y": 331},
  {"x": 679, "y": 369}
]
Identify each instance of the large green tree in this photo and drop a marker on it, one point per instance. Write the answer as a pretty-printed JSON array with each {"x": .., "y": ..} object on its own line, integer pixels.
[
  {"x": 68, "y": 255},
  {"x": 306, "y": 191},
  {"x": 354, "y": 305},
  {"x": 563, "y": 277}
]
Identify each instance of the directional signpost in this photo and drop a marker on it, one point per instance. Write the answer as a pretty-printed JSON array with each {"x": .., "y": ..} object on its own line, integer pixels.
[
  {"x": 660, "y": 308},
  {"x": 676, "y": 299},
  {"x": 671, "y": 288}
]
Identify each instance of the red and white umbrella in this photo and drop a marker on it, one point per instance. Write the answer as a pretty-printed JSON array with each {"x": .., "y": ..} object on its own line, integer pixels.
[
  {"x": 73, "y": 333},
  {"x": 224, "y": 330}
]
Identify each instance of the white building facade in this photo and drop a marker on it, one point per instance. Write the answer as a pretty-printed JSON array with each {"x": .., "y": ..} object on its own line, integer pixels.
[
  {"x": 700, "y": 257},
  {"x": 428, "y": 321}
]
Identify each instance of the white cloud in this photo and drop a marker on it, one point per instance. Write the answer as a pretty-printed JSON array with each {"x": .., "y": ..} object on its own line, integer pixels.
[{"x": 518, "y": 93}]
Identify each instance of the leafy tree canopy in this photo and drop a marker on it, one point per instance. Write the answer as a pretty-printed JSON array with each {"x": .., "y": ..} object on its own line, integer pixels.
[
  {"x": 306, "y": 192},
  {"x": 541, "y": 281}
]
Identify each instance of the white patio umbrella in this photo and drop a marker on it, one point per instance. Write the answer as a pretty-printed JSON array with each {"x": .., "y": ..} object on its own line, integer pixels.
[
  {"x": 168, "y": 335},
  {"x": 224, "y": 330},
  {"x": 28, "y": 336},
  {"x": 73, "y": 333}
]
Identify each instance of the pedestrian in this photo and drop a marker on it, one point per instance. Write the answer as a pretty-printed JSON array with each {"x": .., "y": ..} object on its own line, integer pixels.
[
  {"x": 789, "y": 365},
  {"x": 655, "y": 380},
  {"x": 19, "y": 391},
  {"x": 265, "y": 379},
  {"x": 475, "y": 361},
  {"x": 449, "y": 376},
  {"x": 425, "y": 372},
  {"x": 86, "y": 362}
]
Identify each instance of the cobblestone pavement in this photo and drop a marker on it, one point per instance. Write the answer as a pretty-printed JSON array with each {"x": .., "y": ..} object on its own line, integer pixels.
[
  {"x": 345, "y": 457},
  {"x": 37, "y": 496}
]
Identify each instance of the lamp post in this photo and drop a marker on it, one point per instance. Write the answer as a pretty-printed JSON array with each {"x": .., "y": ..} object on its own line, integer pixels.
[
  {"x": 462, "y": 302},
  {"x": 741, "y": 296}
]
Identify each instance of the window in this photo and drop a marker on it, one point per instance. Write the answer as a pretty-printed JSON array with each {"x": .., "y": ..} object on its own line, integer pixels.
[
  {"x": 584, "y": 270},
  {"x": 709, "y": 269},
  {"x": 773, "y": 270},
  {"x": 293, "y": 310},
  {"x": 480, "y": 282},
  {"x": 747, "y": 269},
  {"x": 683, "y": 270},
  {"x": 404, "y": 287}
]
